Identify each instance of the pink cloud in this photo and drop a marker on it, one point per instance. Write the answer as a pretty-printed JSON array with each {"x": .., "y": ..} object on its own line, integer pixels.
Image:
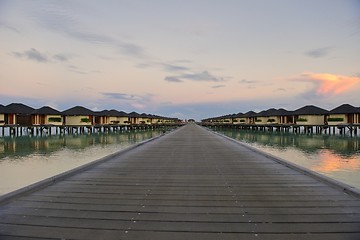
[{"x": 329, "y": 84}]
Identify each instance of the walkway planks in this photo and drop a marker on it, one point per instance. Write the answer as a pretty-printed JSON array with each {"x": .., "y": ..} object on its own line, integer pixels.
[{"x": 189, "y": 184}]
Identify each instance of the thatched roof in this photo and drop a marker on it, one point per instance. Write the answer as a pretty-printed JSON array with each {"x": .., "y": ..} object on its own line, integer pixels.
[
  {"x": 250, "y": 114},
  {"x": 78, "y": 111},
  {"x": 18, "y": 108},
  {"x": 310, "y": 110},
  {"x": 345, "y": 109},
  {"x": 112, "y": 113},
  {"x": 46, "y": 111},
  {"x": 134, "y": 115}
]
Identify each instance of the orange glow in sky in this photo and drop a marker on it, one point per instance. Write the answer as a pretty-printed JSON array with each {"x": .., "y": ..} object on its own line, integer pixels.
[{"x": 330, "y": 83}]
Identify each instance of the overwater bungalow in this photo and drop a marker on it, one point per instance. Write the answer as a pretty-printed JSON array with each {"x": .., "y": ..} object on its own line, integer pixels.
[
  {"x": 79, "y": 116},
  {"x": 344, "y": 114},
  {"x": 279, "y": 116},
  {"x": 102, "y": 117},
  {"x": 239, "y": 118},
  {"x": 46, "y": 116},
  {"x": 155, "y": 119},
  {"x": 168, "y": 120},
  {"x": 134, "y": 118},
  {"x": 18, "y": 114},
  {"x": 2, "y": 115},
  {"x": 119, "y": 117},
  {"x": 112, "y": 117},
  {"x": 310, "y": 115},
  {"x": 145, "y": 119},
  {"x": 263, "y": 117},
  {"x": 250, "y": 117}
]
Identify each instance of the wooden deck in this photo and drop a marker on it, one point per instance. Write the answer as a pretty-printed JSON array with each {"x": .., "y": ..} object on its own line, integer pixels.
[{"x": 188, "y": 184}]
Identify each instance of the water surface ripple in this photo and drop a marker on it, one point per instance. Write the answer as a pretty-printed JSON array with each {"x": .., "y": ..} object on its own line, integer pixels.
[
  {"x": 26, "y": 160},
  {"x": 335, "y": 156}
]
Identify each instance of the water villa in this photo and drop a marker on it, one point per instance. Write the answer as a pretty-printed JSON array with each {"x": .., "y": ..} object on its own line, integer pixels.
[
  {"x": 307, "y": 119},
  {"x": 21, "y": 119}
]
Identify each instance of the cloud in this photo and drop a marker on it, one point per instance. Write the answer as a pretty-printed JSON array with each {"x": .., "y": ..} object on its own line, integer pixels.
[
  {"x": 168, "y": 67},
  {"x": 123, "y": 96},
  {"x": 326, "y": 84},
  {"x": 319, "y": 52},
  {"x": 174, "y": 68},
  {"x": 173, "y": 79},
  {"x": 33, "y": 54},
  {"x": 135, "y": 101},
  {"x": 131, "y": 49},
  {"x": 244, "y": 81},
  {"x": 61, "y": 57},
  {"x": 8, "y": 27},
  {"x": 204, "y": 76},
  {"x": 75, "y": 69},
  {"x": 56, "y": 18},
  {"x": 218, "y": 86},
  {"x": 280, "y": 90}
]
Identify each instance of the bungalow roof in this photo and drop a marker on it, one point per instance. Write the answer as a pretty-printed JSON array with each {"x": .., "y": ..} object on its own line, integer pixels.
[
  {"x": 250, "y": 114},
  {"x": 234, "y": 115},
  {"x": 310, "y": 110},
  {"x": 345, "y": 109},
  {"x": 18, "y": 108},
  {"x": 112, "y": 113},
  {"x": 122, "y": 114},
  {"x": 77, "y": 111},
  {"x": 239, "y": 115},
  {"x": 264, "y": 113},
  {"x": 46, "y": 110},
  {"x": 103, "y": 113},
  {"x": 2, "y": 108},
  {"x": 276, "y": 112},
  {"x": 116, "y": 113},
  {"x": 144, "y": 115},
  {"x": 283, "y": 112},
  {"x": 269, "y": 112},
  {"x": 134, "y": 114}
]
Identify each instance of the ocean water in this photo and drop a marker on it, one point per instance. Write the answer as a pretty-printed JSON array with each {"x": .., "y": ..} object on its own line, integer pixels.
[
  {"x": 335, "y": 156},
  {"x": 26, "y": 160}
]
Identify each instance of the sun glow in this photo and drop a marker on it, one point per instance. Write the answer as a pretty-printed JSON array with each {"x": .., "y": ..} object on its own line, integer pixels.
[{"x": 330, "y": 83}]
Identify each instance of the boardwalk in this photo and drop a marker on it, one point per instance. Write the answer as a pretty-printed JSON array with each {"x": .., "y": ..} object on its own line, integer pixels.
[{"x": 189, "y": 184}]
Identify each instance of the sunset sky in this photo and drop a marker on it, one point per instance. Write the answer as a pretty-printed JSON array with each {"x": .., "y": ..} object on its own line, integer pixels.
[{"x": 185, "y": 59}]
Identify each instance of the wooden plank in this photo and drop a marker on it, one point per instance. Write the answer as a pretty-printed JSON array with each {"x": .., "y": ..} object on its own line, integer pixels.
[
  {"x": 137, "y": 224},
  {"x": 211, "y": 203}
]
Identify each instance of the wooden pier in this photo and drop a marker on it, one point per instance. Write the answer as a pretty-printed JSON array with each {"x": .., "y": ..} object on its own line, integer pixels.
[{"x": 188, "y": 184}]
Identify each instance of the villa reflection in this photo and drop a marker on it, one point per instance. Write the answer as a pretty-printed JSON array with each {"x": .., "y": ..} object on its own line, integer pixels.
[
  {"x": 15, "y": 147},
  {"x": 341, "y": 145}
]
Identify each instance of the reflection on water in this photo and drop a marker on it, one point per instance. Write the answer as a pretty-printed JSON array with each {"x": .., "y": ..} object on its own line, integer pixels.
[
  {"x": 335, "y": 156},
  {"x": 26, "y": 160}
]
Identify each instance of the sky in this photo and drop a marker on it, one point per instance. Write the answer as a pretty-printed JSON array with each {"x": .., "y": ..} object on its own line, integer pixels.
[{"x": 180, "y": 58}]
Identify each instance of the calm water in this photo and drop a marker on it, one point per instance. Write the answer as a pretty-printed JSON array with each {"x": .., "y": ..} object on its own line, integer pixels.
[
  {"x": 26, "y": 160},
  {"x": 335, "y": 156}
]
